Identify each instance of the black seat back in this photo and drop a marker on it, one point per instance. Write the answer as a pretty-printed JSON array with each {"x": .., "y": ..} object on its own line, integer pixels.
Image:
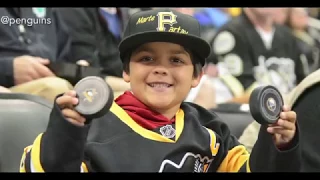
[
  {"x": 22, "y": 118},
  {"x": 236, "y": 116}
]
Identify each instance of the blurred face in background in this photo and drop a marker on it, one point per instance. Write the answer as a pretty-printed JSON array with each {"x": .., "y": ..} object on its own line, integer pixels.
[
  {"x": 263, "y": 12},
  {"x": 298, "y": 18},
  {"x": 189, "y": 11},
  {"x": 280, "y": 15}
]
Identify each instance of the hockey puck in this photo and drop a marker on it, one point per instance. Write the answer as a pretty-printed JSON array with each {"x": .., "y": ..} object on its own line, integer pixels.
[
  {"x": 266, "y": 104},
  {"x": 95, "y": 97}
]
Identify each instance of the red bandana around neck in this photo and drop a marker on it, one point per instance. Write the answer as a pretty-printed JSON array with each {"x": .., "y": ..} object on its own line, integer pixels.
[{"x": 140, "y": 113}]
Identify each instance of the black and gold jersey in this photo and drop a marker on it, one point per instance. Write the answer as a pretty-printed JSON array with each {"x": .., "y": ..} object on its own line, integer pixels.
[
  {"x": 197, "y": 142},
  {"x": 257, "y": 57}
]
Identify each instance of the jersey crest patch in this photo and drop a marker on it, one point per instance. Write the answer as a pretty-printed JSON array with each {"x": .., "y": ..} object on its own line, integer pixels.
[{"x": 168, "y": 131}]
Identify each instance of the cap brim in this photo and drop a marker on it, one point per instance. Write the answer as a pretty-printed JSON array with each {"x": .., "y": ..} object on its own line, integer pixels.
[{"x": 193, "y": 43}]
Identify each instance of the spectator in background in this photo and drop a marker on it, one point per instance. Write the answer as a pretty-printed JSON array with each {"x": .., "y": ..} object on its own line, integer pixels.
[
  {"x": 280, "y": 15},
  {"x": 27, "y": 48},
  {"x": 297, "y": 21},
  {"x": 314, "y": 12},
  {"x": 257, "y": 52},
  {"x": 96, "y": 33},
  {"x": 189, "y": 11},
  {"x": 215, "y": 87}
]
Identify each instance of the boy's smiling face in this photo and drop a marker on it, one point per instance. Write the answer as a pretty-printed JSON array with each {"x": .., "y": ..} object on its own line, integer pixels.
[{"x": 161, "y": 75}]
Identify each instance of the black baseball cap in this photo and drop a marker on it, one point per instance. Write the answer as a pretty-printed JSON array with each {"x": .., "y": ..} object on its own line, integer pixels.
[{"x": 164, "y": 25}]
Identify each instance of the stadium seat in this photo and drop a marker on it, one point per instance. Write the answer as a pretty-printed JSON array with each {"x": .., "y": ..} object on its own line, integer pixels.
[
  {"x": 236, "y": 116},
  {"x": 22, "y": 118},
  {"x": 307, "y": 107}
]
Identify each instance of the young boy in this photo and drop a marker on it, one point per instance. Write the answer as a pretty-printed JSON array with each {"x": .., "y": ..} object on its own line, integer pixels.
[{"x": 149, "y": 129}]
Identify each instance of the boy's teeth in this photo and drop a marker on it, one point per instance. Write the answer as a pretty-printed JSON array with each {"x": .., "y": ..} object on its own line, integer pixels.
[{"x": 159, "y": 85}]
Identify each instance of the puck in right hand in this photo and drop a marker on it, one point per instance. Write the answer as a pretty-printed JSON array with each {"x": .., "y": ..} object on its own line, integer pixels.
[{"x": 266, "y": 104}]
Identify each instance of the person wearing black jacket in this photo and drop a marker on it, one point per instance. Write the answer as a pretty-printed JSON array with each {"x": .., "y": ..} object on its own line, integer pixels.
[
  {"x": 30, "y": 39},
  {"x": 256, "y": 51},
  {"x": 96, "y": 34}
]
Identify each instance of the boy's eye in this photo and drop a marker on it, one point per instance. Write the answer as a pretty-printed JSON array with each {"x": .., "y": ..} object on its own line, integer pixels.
[
  {"x": 146, "y": 59},
  {"x": 176, "y": 60}
]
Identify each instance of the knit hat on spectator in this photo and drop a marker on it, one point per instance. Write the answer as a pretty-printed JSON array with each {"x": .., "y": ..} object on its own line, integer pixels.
[{"x": 161, "y": 25}]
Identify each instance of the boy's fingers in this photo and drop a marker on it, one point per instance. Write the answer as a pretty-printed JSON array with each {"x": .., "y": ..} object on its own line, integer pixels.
[
  {"x": 67, "y": 101},
  {"x": 64, "y": 100},
  {"x": 286, "y": 124},
  {"x": 75, "y": 122},
  {"x": 71, "y": 93},
  {"x": 289, "y": 116},
  {"x": 285, "y": 133},
  {"x": 69, "y": 113},
  {"x": 286, "y": 108}
]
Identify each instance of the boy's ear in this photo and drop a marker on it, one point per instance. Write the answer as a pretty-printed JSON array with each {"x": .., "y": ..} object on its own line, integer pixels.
[
  {"x": 125, "y": 77},
  {"x": 196, "y": 80}
]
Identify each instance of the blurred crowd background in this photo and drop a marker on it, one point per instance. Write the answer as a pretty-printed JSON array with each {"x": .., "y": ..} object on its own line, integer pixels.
[{"x": 45, "y": 58}]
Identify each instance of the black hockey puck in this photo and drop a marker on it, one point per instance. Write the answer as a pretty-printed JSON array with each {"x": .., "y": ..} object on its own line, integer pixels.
[
  {"x": 95, "y": 97},
  {"x": 266, "y": 104}
]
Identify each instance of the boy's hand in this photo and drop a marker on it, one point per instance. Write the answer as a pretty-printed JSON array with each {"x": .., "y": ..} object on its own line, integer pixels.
[
  {"x": 66, "y": 104},
  {"x": 285, "y": 128}
]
